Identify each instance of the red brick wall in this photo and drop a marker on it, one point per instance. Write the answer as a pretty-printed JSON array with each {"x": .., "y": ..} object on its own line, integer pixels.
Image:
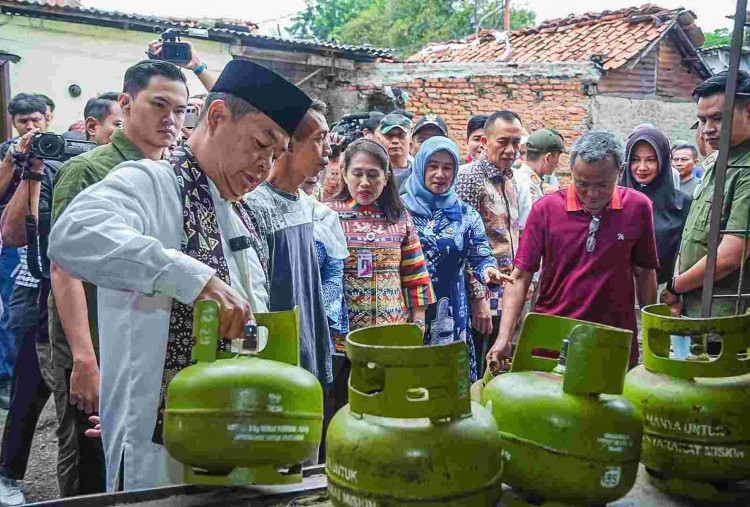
[
  {"x": 562, "y": 105},
  {"x": 674, "y": 79}
]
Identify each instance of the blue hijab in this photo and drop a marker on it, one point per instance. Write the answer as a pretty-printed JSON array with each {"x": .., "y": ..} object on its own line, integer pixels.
[{"x": 417, "y": 197}]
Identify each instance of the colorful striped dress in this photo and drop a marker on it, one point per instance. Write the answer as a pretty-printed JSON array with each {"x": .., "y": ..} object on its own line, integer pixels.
[{"x": 398, "y": 279}]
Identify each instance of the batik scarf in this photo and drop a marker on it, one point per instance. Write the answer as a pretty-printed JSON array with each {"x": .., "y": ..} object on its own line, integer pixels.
[{"x": 201, "y": 241}]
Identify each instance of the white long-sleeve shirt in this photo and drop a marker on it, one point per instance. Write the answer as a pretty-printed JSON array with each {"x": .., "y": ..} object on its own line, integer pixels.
[{"x": 123, "y": 235}]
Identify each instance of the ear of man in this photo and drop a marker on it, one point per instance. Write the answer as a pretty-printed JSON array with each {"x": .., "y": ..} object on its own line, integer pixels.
[
  {"x": 90, "y": 124},
  {"x": 218, "y": 111}
]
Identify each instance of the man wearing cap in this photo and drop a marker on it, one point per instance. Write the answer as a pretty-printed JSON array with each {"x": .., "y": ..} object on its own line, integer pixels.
[
  {"x": 155, "y": 236},
  {"x": 543, "y": 150},
  {"x": 394, "y": 135},
  {"x": 430, "y": 125}
]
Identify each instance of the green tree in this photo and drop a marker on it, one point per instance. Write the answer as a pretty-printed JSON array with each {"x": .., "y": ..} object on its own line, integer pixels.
[
  {"x": 719, "y": 37},
  {"x": 406, "y": 25},
  {"x": 321, "y": 17}
]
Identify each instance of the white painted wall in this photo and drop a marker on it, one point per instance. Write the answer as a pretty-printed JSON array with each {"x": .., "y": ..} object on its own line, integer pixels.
[
  {"x": 621, "y": 115},
  {"x": 56, "y": 54}
]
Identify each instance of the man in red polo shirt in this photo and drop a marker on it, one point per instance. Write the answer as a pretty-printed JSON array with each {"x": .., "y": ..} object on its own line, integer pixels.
[{"x": 594, "y": 238}]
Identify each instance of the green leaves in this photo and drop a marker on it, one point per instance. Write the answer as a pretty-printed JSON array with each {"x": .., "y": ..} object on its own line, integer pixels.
[
  {"x": 405, "y": 25},
  {"x": 719, "y": 37}
]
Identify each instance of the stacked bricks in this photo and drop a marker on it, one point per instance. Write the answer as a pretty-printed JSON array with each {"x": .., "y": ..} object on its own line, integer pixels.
[{"x": 558, "y": 103}]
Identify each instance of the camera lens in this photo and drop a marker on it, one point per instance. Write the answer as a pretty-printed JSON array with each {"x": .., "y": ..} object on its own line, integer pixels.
[{"x": 50, "y": 145}]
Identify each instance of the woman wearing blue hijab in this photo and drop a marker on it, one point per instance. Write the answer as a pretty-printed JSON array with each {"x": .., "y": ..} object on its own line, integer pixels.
[{"x": 452, "y": 235}]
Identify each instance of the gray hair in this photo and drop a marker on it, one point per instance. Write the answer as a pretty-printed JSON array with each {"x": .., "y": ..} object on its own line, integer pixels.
[{"x": 598, "y": 145}]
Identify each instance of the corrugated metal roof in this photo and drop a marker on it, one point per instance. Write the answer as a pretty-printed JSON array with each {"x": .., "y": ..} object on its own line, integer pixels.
[{"x": 139, "y": 22}]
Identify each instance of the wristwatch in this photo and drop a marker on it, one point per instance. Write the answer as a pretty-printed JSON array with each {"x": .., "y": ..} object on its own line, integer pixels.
[
  {"x": 670, "y": 287},
  {"x": 418, "y": 322}
]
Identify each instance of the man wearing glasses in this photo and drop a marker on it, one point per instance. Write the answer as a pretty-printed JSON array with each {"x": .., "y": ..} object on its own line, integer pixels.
[{"x": 592, "y": 239}]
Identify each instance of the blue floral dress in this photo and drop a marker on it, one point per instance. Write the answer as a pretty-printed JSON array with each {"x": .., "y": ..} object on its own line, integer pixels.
[
  {"x": 448, "y": 244},
  {"x": 332, "y": 277}
]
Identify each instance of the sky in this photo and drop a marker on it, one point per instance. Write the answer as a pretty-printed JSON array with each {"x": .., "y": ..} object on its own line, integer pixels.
[{"x": 711, "y": 14}]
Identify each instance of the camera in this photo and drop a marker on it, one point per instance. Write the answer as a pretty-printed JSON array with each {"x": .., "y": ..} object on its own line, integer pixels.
[
  {"x": 53, "y": 147},
  {"x": 349, "y": 129},
  {"x": 172, "y": 50}
]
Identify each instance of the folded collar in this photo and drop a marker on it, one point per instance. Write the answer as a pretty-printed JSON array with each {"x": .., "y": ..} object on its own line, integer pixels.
[{"x": 573, "y": 204}]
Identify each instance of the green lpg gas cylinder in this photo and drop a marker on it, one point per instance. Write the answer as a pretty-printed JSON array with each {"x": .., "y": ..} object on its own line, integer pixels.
[
  {"x": 239, "y": 418},
  {"x": 410, "y": 435},
  {"x": 696, "y": 413},
  {"x": 568, "y": 435}
]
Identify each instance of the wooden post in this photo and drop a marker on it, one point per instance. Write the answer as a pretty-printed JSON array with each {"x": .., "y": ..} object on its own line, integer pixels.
[{"x": 6, "y": 127}]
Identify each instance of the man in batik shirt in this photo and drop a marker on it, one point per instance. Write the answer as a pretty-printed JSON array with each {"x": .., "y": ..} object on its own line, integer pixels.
[{"x": 487, "y": 184}]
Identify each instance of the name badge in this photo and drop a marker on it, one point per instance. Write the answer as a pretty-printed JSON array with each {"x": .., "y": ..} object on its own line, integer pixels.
[{"x": 364, "y": 264}]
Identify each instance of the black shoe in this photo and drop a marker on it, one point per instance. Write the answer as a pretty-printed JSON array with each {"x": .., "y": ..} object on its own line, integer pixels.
[{"x": 5, "y": 394}]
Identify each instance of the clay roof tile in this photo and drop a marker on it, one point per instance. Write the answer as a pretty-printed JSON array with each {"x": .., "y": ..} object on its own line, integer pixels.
[{"x": 611, "y": 33}]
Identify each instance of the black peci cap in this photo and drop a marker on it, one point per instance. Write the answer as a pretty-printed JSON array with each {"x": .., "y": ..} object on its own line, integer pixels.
[{"x": 276, "y": 97}]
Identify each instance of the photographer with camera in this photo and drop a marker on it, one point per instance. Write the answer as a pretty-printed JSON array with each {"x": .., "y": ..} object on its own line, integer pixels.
[
  {"x": 27, "y": 112},
  {"x": 152, "y": 105},
  {"x": 32, "y": 374}
]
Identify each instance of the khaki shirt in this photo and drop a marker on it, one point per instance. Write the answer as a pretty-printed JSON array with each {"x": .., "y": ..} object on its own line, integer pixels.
[
  {"x": 734, "y": 215},
  {"x": 74, "y": 176}
]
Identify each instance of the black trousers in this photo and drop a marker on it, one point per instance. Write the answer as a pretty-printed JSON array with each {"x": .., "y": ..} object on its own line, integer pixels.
[
  {"x": 80, "y": 461},
  {"x": 335, "y": 396},
  {"x": 28, "y": 391}
]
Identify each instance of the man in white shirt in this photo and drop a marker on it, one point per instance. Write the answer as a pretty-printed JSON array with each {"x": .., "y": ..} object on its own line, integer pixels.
[
  {"x": 543, "y": 150},
  {"x": 154, "y": 236}
]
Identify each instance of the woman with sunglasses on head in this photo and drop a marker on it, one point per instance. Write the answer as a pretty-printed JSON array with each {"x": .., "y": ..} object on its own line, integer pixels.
[
  {"x": 452, "y": 235},
  {"x": 385, "y": 277}
]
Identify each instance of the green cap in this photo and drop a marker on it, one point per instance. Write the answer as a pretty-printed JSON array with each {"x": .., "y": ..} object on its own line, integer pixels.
[
  {"x": 395, "y": 120},
  {"x": 546, "y": 140}
]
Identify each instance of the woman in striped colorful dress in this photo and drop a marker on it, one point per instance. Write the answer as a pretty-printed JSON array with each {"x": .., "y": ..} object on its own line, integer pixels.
[{"x": 385, "y": 277}]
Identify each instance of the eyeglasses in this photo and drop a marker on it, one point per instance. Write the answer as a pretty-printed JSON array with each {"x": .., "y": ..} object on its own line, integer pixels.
[{"x": 591, "y": 238}]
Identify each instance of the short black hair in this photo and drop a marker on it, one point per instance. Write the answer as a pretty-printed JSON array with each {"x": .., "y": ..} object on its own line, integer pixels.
[
  {"x": 718, "y": 84},
  {"x": 138, "y": 76},
  {"x": 47, "y": 100},
  {"x": 99, "y": 106},
  {"x": 505, "y": 115},
  {"x": 686, "y": 146},
  {"x": 26, "y": 103},
  {"x": 373, "y": 121},
  {"x": 476, "y": 122},
  {"x": 317, "y": 106}
]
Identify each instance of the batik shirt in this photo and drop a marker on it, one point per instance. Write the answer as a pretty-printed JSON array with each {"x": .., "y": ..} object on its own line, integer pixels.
[
  {"x": 492, "y": 192},
  {"x": 385, "y": 275},
  {"x": 449, "y": 245}
]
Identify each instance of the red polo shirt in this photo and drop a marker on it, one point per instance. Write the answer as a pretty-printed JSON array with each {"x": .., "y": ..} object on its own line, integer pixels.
[{"x": 596, "y": 286}]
